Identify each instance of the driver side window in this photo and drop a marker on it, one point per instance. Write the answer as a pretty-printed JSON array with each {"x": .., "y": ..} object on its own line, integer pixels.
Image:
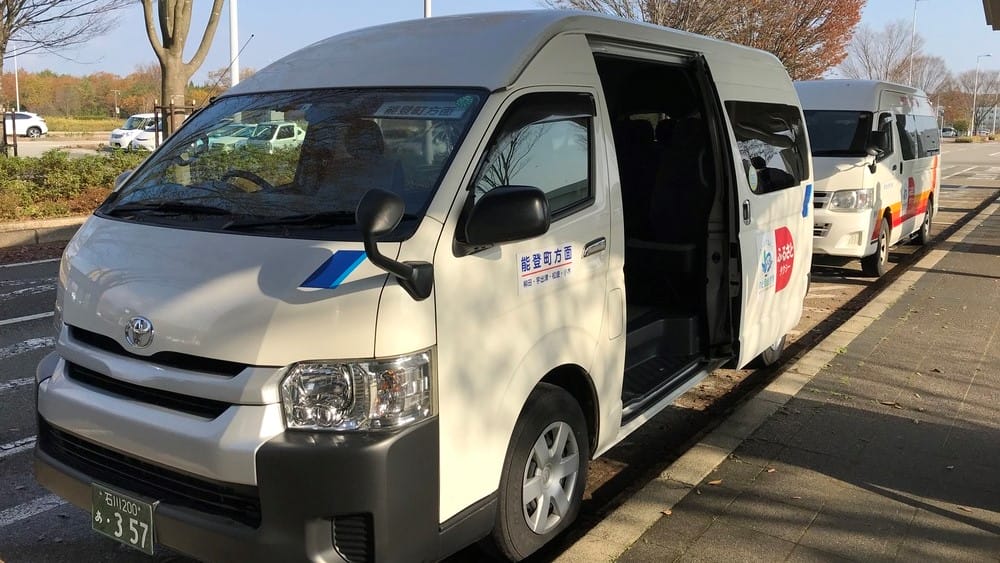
[{"x": 543, "y": 142}]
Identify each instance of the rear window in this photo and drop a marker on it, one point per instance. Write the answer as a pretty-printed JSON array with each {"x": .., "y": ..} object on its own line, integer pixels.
[{"x": 772, "y": 142}]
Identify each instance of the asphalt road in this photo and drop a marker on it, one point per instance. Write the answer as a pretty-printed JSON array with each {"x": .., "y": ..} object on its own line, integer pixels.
[{"x": 36, "y": 526}]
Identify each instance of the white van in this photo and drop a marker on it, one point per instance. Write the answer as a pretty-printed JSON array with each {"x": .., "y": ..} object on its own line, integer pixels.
[
  {"x": 411, "y": 332},
  {"x": 122, "y": 137},
  {"x": 876, "y": 148}
]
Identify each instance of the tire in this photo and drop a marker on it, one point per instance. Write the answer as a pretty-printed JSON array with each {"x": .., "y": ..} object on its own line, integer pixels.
[
  {"x": 771, "y": 355},
  {"x": 924, "y": 235},
  {"x": 876, "y": 264},
  {"x": 550, "y": 416},
  {"x": 34, "y": 132}
]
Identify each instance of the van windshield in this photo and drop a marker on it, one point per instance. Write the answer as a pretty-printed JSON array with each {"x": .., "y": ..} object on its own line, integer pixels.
[
  {"x": 838, "y": 133},
  {"x": 136, "y": 122},
  {"x": 296, "y": 164}
]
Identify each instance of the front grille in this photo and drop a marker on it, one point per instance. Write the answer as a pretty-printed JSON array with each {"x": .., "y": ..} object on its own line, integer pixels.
[
  {"x": 229, "y": 500},
  {"x": 821, "y": 229},
  {"x": 206, "y": 408},
  {"x": 352, "y": 536},
  {"x": 167, "y": 359}
]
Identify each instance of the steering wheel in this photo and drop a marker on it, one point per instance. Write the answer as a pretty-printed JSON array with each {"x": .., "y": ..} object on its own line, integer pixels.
[{"x": 247, "y": 175}]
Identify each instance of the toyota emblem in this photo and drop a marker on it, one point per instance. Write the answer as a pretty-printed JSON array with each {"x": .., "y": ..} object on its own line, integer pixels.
[{"x": 139, "y": 332}]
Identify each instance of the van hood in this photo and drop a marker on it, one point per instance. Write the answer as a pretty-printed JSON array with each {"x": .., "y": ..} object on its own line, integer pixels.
[
  {"x": 247, "y": 299},
  {"x": 839, "y": 173}
]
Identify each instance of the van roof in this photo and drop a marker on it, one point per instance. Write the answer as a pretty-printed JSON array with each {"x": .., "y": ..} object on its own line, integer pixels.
[
  {"x": 487, "y": 50},
  {"x": 845, "y": 94}
]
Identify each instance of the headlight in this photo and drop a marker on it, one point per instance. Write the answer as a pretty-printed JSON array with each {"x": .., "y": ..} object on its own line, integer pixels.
[
  {"x": 361, "y": 395},
  {"x": 852, "y": 200}
]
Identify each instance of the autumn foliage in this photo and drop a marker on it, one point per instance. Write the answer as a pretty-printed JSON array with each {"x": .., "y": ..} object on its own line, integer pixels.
[
  {"x": 51, "y": 94},
  {"x": 808, "y": 36}
]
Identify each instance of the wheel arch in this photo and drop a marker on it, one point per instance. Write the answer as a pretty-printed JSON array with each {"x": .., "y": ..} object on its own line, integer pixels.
[{"x": 577, "y": 382}]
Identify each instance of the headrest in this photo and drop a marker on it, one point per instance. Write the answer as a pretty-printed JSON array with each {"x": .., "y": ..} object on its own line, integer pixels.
[{"x": 364, "y": 139}]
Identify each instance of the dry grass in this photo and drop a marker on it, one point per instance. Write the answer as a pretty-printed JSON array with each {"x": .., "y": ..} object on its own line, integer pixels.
[{"x": 78, "y": 125}]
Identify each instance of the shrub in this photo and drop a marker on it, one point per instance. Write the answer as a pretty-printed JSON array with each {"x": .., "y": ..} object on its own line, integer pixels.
[
  {"x": 965, "y": 140},
  {"x": 54, "y": 184}
]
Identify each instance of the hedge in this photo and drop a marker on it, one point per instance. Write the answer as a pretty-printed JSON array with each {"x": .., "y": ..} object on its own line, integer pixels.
[{"x": 56, "y": 185}]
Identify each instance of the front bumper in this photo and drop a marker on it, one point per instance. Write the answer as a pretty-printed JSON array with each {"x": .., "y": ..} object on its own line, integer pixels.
[
  {"x": 322, "y": 497},
  {"x": 848, "y": 234}
]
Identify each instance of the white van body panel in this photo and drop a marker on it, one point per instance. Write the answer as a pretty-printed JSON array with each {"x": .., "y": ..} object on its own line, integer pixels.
[{"x": 902, "y": 189}]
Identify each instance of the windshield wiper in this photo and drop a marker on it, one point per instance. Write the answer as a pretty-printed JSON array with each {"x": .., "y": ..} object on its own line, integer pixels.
[
  {"x": 322, "y": 219},
  {"x": 167, "y": 207}
]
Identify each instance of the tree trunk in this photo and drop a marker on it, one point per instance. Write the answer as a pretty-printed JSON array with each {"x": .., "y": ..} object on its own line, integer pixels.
[{"x": 173, "y": 86}]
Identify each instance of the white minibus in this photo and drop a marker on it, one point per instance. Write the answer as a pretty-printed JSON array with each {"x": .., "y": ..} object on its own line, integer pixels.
[
  {"x": 505, "y": 242},
  {"x": 876, "y": 149}
]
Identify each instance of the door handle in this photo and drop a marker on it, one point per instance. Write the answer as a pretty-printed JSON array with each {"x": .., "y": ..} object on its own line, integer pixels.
[
  {"x": 595, "y": 246},
  {"x": 746, "y": 211}
]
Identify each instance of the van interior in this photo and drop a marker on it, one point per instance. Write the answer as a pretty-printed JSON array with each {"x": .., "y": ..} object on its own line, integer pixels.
[{"x": 674, "y": 219}]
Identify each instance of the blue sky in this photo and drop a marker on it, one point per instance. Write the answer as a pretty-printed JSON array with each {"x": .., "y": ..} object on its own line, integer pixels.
[{"x": 955, "y": 30}]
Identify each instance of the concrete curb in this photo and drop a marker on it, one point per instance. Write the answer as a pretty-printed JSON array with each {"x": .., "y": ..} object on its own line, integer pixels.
[
  {"x": 609, "y": 539},
  {"x": 41, "y": 231}
]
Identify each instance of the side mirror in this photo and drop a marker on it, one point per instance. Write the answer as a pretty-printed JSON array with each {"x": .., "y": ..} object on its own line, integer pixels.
[
  {"x": 378, "y": 214},
  {"x": 506, "y": 214}
]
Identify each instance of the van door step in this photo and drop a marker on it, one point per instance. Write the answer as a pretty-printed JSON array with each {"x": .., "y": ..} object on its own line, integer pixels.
[{"x": 654, "y": 378}]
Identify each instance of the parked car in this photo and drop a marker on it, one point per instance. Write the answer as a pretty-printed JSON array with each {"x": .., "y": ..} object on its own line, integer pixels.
[
  {"x": 949, "y": 132},
  {"x": 121, "y": 138},
  {"x": 146, "y": 140},
  {"x": 231, "y": 136},
  {"x": 277, "y": 135},
  {"x": 26, "y": 124}
]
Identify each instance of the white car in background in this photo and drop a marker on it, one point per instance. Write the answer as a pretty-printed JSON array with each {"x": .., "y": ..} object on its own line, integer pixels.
[
  {"x": 121, "y": 138},
  {"x": 26, "y": 124},
  {"x": 276, "y": 135},
  {"x": 146, "y": 140},
  {"x": 231, "y": 136}
]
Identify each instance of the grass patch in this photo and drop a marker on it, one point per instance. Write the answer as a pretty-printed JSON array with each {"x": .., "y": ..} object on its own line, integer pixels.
[
  {"x": 82, "y": 124},
  {"x": 55, "y": 185}
]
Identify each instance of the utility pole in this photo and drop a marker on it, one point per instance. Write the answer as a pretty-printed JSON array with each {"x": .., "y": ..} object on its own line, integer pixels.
[
  {"x": 117, "y": 109},
  {"x": 427, "y": 8},
  {"x": 234, "y": 45},
  {"x": 975, "y": 90},
  {"x": 913, "y": 29},
  {"x": 17, "y": 87}
]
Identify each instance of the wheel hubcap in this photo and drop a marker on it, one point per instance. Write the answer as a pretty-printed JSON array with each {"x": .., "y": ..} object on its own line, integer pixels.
[{"x": 550, "y": 476}]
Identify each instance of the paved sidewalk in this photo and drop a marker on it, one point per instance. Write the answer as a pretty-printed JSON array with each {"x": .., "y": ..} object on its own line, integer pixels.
[{"x": 890, "y": 453}]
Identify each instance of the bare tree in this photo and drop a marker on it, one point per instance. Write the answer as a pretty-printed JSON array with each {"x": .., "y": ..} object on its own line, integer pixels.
[
  {"x": 930, "y": 74},
  {"x": 881, "y": 55},
  {"x": 809, "y": 36},
  {"x": 174, "y": 17},
  {"x": 987, "y": 95},
  {"x": 52, "y": 25}
]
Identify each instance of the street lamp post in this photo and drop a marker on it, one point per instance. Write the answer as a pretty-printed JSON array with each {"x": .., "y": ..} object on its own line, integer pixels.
[
  {"x": 975, "y": 90},
  {"x": 913, "y": 29},
  {"x": 117, "y": 110}
]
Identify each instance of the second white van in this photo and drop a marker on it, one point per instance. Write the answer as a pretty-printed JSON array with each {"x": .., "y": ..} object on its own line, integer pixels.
[{"x": 876, "y": 149}]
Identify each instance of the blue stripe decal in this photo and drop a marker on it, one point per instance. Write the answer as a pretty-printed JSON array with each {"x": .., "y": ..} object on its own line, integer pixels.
[
  {"x": 335, "y": 270},
  {"x": 807, "y": 202}
]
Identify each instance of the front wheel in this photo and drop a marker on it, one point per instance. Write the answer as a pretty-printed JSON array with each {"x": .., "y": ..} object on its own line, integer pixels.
[
  {"x": 876, "y": 264},
  {"x": 544, "y": 473}
]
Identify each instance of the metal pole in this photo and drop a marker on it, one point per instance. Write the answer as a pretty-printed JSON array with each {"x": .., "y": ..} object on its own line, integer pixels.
[
  {"x": 427, "y": 8},
  {"x": 913, "y": 28},
  {"x": 975, "y": 90},
  {"x": 17, "y": 88},
  {"x": 234, "y": 45},
  {"x": 994, "y": 119}
]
